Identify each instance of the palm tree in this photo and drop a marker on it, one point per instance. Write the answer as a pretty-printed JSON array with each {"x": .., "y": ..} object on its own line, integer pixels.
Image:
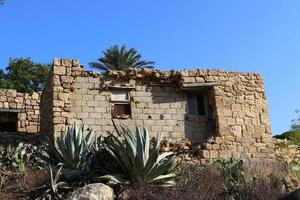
[{"x": 120, "y": 59}]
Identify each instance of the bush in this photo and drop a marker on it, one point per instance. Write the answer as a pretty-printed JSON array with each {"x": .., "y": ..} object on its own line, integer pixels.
[
  {"x": 293, "y": 136},
  {"x": 209, "y": 182}
]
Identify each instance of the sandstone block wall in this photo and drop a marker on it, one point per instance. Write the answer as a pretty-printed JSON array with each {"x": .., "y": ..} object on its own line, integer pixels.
[
  {"x": 238, "y": 125},
  {"x": 160, "y": 108},
  {"x": 55, "y": 106},
  {"x": 26, "y": 107},
  {"x": 243, "y": 127}
]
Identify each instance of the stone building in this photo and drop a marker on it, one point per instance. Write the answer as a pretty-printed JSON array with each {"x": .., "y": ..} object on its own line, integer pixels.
[{"x": 224, "y": 111}]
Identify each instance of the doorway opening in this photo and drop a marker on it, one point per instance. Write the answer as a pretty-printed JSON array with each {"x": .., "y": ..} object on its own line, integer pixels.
[{"x": 8, "y": 121}]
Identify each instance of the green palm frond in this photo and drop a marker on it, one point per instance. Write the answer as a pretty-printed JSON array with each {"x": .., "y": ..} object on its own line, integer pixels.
[{"x": 116, "y": 58}]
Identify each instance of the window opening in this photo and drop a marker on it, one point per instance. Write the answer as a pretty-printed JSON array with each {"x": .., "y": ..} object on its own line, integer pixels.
[
  {"x": 121, "y": 107},
  {"x": 197, "y": 104}
]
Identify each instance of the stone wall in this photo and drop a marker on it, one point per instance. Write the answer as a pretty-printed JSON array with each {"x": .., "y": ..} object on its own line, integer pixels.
[
  {"x": 27, "y": 106},
  {"x": 55, "y": 106},
  {"x": 243, "y": 127},
  {"x": 159, "y": 107},
  {"x": 238, "y": 125}
]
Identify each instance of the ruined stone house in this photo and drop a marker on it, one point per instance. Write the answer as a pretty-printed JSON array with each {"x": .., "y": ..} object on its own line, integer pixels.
[{"x": 224, "y": 111}]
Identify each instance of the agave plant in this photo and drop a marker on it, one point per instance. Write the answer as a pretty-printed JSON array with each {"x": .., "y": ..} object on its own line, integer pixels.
[
  {"x": 54, "y": 189},
  {"x": 139, "y": 163},
  {"x": 73, "y": 147}
]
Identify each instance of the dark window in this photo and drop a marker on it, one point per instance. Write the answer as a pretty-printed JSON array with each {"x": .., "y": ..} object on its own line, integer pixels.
[
  {"x": 121, "y": 110},
  {"x": 197, "y": 104},
  {"x": 120, "y": 104},
  {"x": 8, "y": 122}
]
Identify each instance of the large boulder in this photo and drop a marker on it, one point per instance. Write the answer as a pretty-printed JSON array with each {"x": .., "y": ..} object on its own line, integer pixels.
[
  {"x": 95, "y": 191},
  {"x": 292, "y": 196}
]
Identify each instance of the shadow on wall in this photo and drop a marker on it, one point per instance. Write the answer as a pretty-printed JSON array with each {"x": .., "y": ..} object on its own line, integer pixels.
[
  {"x": 194, "y": 111},
  {"x": 200, "y": 120}
]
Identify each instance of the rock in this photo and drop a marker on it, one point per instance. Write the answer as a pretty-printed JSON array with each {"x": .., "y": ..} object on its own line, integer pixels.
[
  {"x": 292, "y": 196},
  {"x": 95, "y": 191}
]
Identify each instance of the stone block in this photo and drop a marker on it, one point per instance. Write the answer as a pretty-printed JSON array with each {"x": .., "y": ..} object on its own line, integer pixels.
[
  {"x": 200, "y": 80},
  {"x": 35, "y": 96},
  {"x": 95, "y": 115},
  {"x": 63, "y": 96},
  {"x": 188, "y": 79},
  {"x": 66, "y": 79},
  {"x": 56, "y": 61},
  {"x": 12, "y": 105},
  {"x": 66, "y": 62},
  {"x": 11, "y": 93},
  {"x": 59, "y": 70},
  {"x": 260, "y": 128},
  {"x": 59, "y": 120},
  {"x": 31, "y": 129},
  {"x": 82, "y": 115},
  {"x": 58, "y": 103}
]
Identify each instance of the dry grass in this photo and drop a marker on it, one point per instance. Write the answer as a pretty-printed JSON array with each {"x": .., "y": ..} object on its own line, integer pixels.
[
  {"x": 15, "y": 184},
  {"x": 198, "y": 183},
  {"x": 207, "y": 183}
]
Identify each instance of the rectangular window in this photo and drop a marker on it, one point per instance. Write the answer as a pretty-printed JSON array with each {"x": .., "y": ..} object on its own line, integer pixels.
[
  {"x": 119, "y": 95},
  {"x": 197, "y": 104},
  {"x": 121, "y": 110},
  {"x": 120, "y": 104}
]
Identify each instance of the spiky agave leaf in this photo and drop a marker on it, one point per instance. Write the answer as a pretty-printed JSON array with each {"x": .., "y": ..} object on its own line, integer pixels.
[
  {"x": 74, "y": 146},
  {"x": 140, "y": 163}
]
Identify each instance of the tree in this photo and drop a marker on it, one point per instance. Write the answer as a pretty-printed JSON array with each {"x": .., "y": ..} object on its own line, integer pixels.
[
  {"x": 120, "y": 59},
  {"x": 24, "y": 75},
  {"x": 296, "y": 122}
]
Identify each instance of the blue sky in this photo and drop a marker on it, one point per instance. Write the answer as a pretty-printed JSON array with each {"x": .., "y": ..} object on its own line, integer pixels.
[{"x": 248, "y": 35}]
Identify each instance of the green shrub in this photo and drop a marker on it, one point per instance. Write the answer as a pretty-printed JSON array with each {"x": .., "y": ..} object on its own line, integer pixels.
[
  {"x": 293, "y": 136},
  {"x": 19, "y": 157}
]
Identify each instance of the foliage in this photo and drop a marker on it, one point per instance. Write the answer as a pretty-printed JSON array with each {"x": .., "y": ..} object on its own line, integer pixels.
[
  {"x": 73, "y": 147},
  {"x": 232, "y": 171},
  {"x": 293, "y": 136},
  {"x": 296, "y": 122},
  {"x": 295, "y": 168},
  {"x": 120, "y": 59},
  {"x": 138, "y": 162},
  {"x": 3, "y": 180},
  {"x": 24, "y": 75},
  {"x": 21, "y": 156},
  {"x": 54, "y": 189}
]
